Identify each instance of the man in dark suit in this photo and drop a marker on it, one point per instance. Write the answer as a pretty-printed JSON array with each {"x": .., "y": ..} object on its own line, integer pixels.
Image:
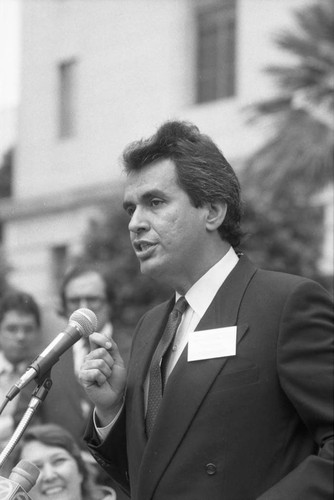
[{"x": 237, "y": 404}]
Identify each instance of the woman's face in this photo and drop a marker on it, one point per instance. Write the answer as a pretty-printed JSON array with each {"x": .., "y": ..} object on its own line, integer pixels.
[{"x": 59, "y": 478}]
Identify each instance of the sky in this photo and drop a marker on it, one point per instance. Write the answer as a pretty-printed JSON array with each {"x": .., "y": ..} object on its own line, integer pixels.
[{"x": 9, "y": 53}]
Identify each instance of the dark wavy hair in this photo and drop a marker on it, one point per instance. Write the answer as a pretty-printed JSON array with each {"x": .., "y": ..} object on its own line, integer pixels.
[
  {"x": 203, "y": 171},
  {"x": 57, "y": 436},
  {"x": 22, "y": 302}
]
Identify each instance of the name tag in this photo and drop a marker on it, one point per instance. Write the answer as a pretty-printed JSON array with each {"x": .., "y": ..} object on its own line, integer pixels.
[{"x": 215, "y": 343}]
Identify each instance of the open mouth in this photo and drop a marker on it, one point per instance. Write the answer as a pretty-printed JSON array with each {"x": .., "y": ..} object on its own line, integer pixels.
[{"x": 144, "y": 248}]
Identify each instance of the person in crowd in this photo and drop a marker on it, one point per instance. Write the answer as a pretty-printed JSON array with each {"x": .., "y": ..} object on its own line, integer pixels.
[
  {"x": 229, "y": 388},
  {"x": 21, "y": 339},
  {"x": 86, "y": 285},
  {"x": 63, "y": 472},
  {"x": 20, "y": 335}
]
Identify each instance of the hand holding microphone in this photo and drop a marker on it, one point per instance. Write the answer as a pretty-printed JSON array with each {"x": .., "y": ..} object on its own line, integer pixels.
[{"x": 103, "y": 377}]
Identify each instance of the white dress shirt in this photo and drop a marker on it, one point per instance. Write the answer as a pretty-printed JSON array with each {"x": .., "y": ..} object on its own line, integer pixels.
[{"x": 199, "y": 298}]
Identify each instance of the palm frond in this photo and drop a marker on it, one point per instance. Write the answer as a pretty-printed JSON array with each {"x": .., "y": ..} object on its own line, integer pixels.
[
  {"x": 302, "y": 143},
  {"x": 300, "y": 153}
]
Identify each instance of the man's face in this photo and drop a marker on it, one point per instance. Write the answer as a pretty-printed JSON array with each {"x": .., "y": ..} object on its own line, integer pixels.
[
  {"x": 19, "y": 333},
  {"x": 89, "y": 291},
  {"x": 167, "y": 232}
]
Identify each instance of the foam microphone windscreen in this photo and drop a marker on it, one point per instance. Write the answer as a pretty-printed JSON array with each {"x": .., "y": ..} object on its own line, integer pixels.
[{"x": 25, "y": 474}]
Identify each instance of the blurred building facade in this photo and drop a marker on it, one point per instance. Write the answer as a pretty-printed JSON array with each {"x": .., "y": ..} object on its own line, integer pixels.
[{"x": 96, "y": 75}]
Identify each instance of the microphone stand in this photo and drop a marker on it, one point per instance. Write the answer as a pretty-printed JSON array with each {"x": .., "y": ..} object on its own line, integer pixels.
[{"x": 38, "y": 395}]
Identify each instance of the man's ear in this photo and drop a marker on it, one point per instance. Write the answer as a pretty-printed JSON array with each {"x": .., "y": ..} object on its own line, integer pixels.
[{"x": 216, "y": 213}]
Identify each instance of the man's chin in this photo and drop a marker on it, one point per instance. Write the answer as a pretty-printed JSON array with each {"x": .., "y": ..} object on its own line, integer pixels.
[
  {"x": 146, "y": 268},
  {"x": 150, "y": 269},
  {"x": 155, "y": 271}
]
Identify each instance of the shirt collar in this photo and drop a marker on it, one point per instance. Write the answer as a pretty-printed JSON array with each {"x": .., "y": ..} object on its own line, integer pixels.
[
  {"x": 201, "y": 294},
  {"x": 7, "y": 367}
]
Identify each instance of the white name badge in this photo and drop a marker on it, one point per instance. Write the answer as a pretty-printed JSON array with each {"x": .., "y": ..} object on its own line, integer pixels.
[{"x": 215, "y": 343}]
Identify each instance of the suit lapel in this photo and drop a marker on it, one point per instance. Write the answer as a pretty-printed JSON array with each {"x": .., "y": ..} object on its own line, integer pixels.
[
  {"x": 145, "y": 345},
  {"x": 143, "y": 349},
  {"x": 179, "y": 405}
]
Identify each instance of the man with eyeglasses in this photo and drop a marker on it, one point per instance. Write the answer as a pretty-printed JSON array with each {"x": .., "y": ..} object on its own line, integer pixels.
[{"x": 85, "y": 286}]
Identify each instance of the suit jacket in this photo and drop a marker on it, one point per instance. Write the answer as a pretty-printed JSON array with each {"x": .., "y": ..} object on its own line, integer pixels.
[{"x": 257, "y": 425}]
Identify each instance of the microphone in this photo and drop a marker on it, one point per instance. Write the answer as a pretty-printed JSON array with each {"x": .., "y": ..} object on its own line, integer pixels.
[
  {"x": 82, "y": 323},
  {"x": 22, "y": 478}
]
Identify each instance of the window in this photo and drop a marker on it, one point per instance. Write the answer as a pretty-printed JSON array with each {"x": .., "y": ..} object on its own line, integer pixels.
[
  {"x": 59, "y": 259},
  {"x": 67, "y": 95},
  {"x": 216, "y": 40}
]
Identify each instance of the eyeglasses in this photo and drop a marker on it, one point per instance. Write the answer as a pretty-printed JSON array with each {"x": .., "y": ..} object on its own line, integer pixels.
[{"x": 90, "y": 301}]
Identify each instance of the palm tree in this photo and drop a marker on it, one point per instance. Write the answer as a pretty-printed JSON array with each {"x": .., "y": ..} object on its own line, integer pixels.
[
  {"x": 300, "y": 150},
  {"x": 281, "y": 180}
]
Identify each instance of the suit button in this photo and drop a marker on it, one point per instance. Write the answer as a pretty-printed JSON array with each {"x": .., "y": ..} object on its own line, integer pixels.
[{"x": 211, "y": 469}]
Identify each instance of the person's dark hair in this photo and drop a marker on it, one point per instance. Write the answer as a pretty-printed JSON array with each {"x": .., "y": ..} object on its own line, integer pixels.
[
  {"x": 21, "y": 302},
  {"x": 203, "y": 171},
  {"x": 55, "y": 435},
  {"x": 80, "y": 270}
]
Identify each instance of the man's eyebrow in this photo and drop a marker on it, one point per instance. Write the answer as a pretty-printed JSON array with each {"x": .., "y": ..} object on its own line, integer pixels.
[
  {"x": 145, "y": 197},
  {"x": 127, "y": 204}
]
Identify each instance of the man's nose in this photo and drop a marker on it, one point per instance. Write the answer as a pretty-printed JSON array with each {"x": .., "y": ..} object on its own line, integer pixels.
[
  {"x": 20, "y": 333},
  {"x": 139, "y": 221},
  {"x": 83, "y": 303}
]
